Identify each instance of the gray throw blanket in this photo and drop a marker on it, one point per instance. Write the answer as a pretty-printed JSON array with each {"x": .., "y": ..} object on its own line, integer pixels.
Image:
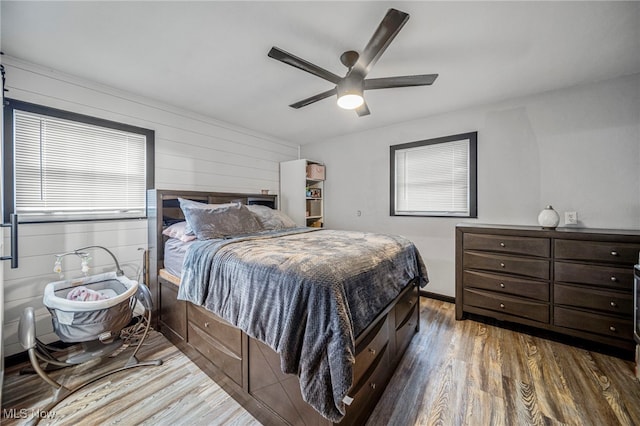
[{"x": 305, "y": 293}]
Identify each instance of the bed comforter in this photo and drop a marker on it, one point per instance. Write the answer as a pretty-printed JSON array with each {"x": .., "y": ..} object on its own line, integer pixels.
[{"x": 306, "y": 293}]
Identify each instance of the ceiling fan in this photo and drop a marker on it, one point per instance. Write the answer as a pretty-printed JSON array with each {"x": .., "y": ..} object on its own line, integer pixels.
[{"x": 350, "y": 88}]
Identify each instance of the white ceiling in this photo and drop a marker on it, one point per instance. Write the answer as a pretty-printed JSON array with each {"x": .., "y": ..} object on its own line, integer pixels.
[{"x": 211, "y": 56}]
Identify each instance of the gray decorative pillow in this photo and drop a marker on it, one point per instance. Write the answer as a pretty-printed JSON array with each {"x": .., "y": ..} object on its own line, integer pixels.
[
  {"x": 221, "y": 222},
  {"x": 271, "y": 219},
  {"x": 184, "y": 203}
]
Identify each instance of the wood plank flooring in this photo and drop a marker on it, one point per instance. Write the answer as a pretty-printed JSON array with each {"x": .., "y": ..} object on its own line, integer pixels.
[{"x": 454, "y": 373}]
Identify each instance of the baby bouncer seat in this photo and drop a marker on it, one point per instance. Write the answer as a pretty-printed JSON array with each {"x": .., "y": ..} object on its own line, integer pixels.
[{"x": 99, "y": 316}]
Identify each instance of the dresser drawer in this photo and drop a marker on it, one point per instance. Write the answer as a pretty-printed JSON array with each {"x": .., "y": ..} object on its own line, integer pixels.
[
  {"x": 597, "y": 251},
  {"x": 507, "y": 284},
  {"x": 227, "y": 361},
  {"x": 604, "y": 276},
  {"x": 524, "y": 308},
  {"x": 535, "y": 268},
  {"x": 224, "y": 333},
  {"x": 404, "y": 305},
  {"x": 371, "y": 350},
  {"x": 593, "y": 323},
  {"x": 607, "y": 301},
  {"x": 530, "y": 246}
]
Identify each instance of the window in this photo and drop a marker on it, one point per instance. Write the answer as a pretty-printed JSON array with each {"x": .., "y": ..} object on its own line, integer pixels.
[
  {"x": 435, "y": 177},
  {"x": 62, "y": 166}
]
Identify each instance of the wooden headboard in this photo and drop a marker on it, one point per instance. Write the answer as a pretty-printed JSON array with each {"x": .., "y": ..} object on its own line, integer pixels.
[{"x": 163, "y": 209}]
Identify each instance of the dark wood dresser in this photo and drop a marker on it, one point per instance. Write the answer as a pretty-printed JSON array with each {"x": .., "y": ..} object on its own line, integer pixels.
[{"x": 577, "y": 282}]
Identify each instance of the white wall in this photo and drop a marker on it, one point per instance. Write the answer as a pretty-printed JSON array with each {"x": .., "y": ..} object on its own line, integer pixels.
[
  {"x": 193, "y": 152},
  {"x": 577, "y": 149}
]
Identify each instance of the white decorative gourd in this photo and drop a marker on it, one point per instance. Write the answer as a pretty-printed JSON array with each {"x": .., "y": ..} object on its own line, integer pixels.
[{"x": 548, "y": 218}]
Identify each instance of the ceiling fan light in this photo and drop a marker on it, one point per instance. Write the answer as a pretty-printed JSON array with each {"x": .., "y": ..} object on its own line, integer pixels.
[{"x": 350, "y": 101}]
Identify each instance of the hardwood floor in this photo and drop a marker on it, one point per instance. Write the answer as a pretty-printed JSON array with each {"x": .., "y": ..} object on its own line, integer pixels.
[
  {"x": 466, "y": 372},
  {"x": 454, "y": 373}
]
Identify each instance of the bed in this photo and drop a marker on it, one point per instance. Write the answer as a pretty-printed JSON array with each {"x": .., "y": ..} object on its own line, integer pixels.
[{"x": 272, "y": 314}]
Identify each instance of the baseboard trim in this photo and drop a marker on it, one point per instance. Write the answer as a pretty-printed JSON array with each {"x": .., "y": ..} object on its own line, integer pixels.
[
  {"x": 15, "y": 359},
  {"x": 22, "y": 357},
  {"x": 437, "y": 296}
]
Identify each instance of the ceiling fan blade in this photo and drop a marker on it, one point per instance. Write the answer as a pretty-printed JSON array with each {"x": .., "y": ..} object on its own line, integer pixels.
[
  {"x": 384, "y": 34},
  {"x": 363, "y": 110},
  {"x": 303, "y": 65},
  {"x": 402, "y": 81},
  {"x": 312, "y": 99}
]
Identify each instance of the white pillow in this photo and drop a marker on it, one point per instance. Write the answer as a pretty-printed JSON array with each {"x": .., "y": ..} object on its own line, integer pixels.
[{"x": 178, "y": 230}]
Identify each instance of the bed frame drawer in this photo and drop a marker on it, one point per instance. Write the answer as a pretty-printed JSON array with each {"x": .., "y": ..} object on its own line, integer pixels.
[
  {"x": 368, "y": 353},
  {"x": 173, "y": 313},
  {"x": 221, "y": 331},
  {"x": 366, "y": 393},
  {"x": 406, "y": 330},
  {"x": 406, "y": 304},
  {"x": 227, "y": 361}
]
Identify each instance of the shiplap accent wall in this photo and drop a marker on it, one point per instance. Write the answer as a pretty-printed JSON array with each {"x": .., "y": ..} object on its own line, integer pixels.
[{"x": 192, "y": 152}]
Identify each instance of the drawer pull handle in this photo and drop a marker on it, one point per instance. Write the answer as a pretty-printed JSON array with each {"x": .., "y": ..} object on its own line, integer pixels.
[
  {"x": 501, "y": 265},
  {"x": 411, "y": 302},
  {"x": 372, "y": 351},
  {"x": 502, "y": 305},
  {"x": 614, "y": 304},
  {"x": 614, "y": 253},
  {"x": 372, "y": 385},
  {"x": 614, "y": 279},
  {"x": 501, "y": 244},
  {"x": 612, "y": 328},
  {"x": 206, "y": 325},
  {"x": 502, "y": 285}
]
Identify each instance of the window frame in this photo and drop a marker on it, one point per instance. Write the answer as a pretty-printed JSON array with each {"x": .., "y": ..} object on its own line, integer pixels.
[
  {"x": 8, "y": 165},
  {"x": 472, "y": 137}
]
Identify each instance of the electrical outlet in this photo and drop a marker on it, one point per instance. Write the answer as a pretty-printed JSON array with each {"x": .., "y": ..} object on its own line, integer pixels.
[{"x": 570, "y": 218}]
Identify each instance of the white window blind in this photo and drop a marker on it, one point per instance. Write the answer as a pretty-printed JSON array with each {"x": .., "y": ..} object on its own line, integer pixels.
[
  {"x": 433, "y": 179},
  {"x": 68, "y": 170}
]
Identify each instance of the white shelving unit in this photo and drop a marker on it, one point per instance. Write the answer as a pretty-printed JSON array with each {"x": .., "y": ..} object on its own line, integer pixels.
[{"x": 301, "y": 195}]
